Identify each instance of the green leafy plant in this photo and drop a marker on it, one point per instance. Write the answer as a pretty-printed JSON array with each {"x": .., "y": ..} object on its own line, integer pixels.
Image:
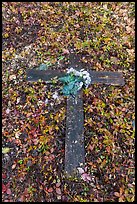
[
  {"x": 74, "y": 81},
  {"x": 71, "y": 84}
]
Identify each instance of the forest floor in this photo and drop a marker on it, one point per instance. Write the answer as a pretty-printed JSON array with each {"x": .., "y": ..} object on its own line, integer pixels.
[{"x": 33, "y": 114}]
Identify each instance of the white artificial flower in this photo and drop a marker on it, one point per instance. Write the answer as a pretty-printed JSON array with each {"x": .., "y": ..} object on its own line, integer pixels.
[
  {"x": 85, "y": 73},
  {"x": 55, "y": 95},
  {"x": 70, "y": 70},
  {"x": 88, "y": 80},
  {"x": 74, "y": 72},
  {"x": 77, "y": 73},
  {"x": 84, "y": 77},
  {"x": 82, "y": 73},
  {"x": 87, "y": 84},
  {"x": 81, "y": 70},
  {"x": 79, "y": 85}
]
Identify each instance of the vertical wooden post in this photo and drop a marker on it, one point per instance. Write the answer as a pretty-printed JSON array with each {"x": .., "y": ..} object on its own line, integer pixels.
[{"x": 74, "y": 140}]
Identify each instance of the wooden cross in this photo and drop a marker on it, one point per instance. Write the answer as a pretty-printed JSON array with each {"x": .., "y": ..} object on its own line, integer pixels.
[{"x": 74, "y": 140}]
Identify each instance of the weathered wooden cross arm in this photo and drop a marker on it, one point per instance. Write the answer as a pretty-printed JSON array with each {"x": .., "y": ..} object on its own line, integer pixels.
[
  {"x": 114, "y": 78},
  {"x": 74, "y": 141}
]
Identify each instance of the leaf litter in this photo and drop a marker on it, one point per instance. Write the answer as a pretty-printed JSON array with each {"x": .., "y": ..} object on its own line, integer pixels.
[{"x": 37, "y": 33}]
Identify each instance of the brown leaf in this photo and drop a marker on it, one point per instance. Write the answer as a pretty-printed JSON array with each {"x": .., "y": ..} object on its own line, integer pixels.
[
  {"x": 113, "y": 6},
  {"x": 35, "y": 141},
  {"x": 91, "y": 147},
  {"x": 103, "y": 163},
  {"x": 116, "y": 194},
  {"x": 129, "y": 29},
  {"x": 52, "y": 150},
  {"x": 51, "y": 157},
  {"x": 123, "y": 109},
  {"x": 78, "y": 13},
  {"x": 29, "y": 114},
  {"x": 108, "y": 150}
]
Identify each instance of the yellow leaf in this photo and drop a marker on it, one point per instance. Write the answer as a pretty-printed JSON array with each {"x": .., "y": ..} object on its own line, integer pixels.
[
  {"x": 132, "y": 199},
  {"x": 5, "y": 150},
  {"x": 56, "y": 127},
  {"x": 107, "y": 40},
  {"x": 6, "y": 35},
  {"x": 44, "y": 139}
]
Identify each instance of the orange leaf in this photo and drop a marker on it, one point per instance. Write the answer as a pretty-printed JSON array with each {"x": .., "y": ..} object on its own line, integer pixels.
[
  {"x": 92, "y": 164},
  {"x": 121, "y": 191}
]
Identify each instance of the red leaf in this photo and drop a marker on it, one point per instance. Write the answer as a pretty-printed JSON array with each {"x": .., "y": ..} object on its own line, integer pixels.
[
  {"x": 21, "y": 199},
  {"x": 50, "y": 190},
  {"x": 4, "y": 188},
  {"x": 4, "y": 176},
  {"x": 8, "y": 191}
]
